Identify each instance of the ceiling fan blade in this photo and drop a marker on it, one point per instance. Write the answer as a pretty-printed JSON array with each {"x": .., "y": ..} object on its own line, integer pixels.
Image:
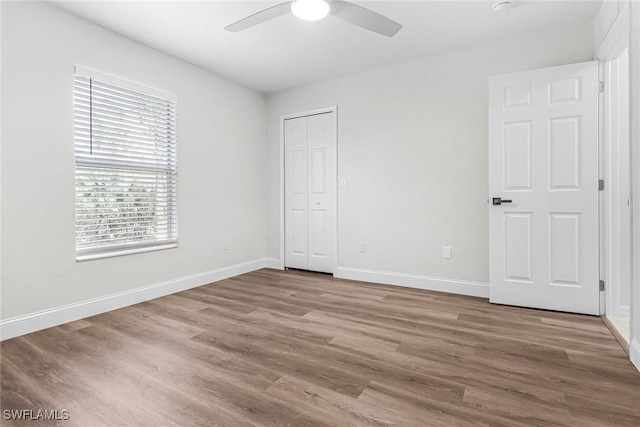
[
  {"x": 365, "y": 18},
  {"x": 260, "y": 17}
]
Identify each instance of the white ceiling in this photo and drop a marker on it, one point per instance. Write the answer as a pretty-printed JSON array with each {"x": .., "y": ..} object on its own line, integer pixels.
[{"x": 287, "y": 52}]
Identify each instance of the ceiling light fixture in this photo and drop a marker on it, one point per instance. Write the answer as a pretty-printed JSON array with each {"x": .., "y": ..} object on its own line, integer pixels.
[
  {"x": 310, "y": 10},
  {"x": 502, "y": 6}
]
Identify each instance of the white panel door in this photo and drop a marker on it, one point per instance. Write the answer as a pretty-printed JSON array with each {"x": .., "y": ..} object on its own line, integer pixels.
[
  {"x": 543, "y": 171},
  {"x": 322, "y": 184},
  {"x": 296, "y": 194},
  {"x": 310, "y": 185}
]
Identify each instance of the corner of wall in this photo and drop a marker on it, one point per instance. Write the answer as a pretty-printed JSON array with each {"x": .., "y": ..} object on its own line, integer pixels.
[{"x": 273, "y": 263}]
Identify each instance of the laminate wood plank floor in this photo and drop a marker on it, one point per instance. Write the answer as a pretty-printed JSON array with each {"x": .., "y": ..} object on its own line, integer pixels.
[{"x": 290, "y": 348}]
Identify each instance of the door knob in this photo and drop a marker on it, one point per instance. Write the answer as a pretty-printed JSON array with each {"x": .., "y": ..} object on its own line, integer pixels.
[{"x": 497, "y": 201}]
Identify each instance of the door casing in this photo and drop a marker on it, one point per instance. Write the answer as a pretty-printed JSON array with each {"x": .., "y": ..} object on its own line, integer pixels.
[{"x": 611, "y": 48}]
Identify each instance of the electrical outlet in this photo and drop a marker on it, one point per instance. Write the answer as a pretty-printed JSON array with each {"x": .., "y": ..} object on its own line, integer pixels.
[
  {"x": 363, "y": 246},
  {"x": 446, "y": 252},
  {"x": 225, "y": 245}
]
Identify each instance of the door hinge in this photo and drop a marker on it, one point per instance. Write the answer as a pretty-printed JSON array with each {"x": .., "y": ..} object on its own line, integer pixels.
[
  {"x": 601, "y": 285},
  {"x": 601, "y": 185},
  {"x": 601, "y": 86}
]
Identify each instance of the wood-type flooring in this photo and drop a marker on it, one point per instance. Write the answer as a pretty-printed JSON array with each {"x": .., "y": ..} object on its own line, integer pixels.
[{"x": 289, "y": 348}]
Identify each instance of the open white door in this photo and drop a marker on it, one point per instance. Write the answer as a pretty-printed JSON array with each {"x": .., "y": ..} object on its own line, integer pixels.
[
  {"x": 310, "y": 185},
  {"x": 543, "y": 184}
]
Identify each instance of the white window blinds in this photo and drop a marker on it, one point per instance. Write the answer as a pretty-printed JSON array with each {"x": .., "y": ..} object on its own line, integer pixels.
[{"x": 126, "y": 169}]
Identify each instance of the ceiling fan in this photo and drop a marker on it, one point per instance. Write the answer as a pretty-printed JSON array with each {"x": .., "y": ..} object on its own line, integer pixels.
[{"x": 314, "y": 10}]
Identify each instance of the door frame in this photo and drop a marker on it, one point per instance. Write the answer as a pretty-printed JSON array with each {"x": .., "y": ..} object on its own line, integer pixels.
[
  {"x": 616, "y": 176},
  {"x": 334, "y": 110},
  {"x": 612, "y": 46}
]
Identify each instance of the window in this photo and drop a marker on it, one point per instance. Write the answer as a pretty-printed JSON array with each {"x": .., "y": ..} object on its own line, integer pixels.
[{"x": 126, "y": 169}]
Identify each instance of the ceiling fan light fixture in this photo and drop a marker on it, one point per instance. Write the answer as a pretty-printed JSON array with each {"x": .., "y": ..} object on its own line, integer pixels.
[{"x": 310, "y": 10}]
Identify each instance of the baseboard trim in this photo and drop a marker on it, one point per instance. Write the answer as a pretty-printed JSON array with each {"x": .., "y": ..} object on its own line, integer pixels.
[
  {"x": 21, "y": 325},
  {"x": 274, "y": 263},
  {"x": 634, "y": 353},
  {"x": 616, "y": 334},
  {"x": 463, "y": 287}
]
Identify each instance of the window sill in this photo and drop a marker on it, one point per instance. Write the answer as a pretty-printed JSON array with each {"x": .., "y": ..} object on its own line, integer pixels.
[{"x": 122, "y": 252}]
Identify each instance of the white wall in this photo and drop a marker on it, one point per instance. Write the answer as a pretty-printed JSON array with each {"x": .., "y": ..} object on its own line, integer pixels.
[
  {"x": 607, "y": 15},
  {"x": 412, "y": 143},
  {"x": 634, "y": 52},
  {"x": 221, "y": 152}
]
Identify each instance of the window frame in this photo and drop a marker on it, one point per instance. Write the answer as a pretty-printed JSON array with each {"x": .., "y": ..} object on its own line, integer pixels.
[{"x": 126, "y": 247}]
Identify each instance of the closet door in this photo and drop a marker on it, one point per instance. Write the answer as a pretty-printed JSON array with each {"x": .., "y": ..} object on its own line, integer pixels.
[
  {"x": 310, "y": 185},
  {"x": 296, "y": 194},
  {"x": 322, "y": 186}
]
